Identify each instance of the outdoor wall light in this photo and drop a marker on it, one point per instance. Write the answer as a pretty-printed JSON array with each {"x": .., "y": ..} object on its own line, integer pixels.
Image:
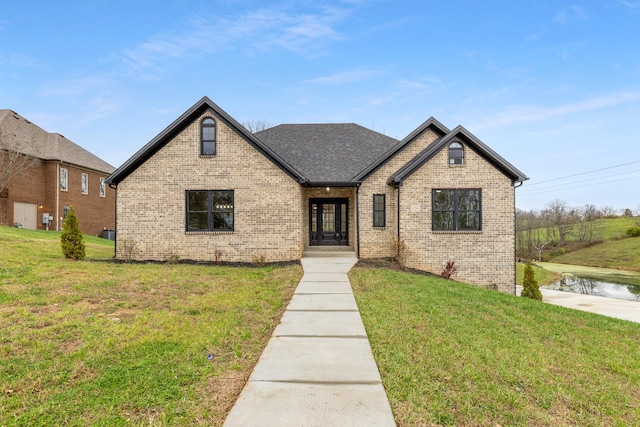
[{"x": 328, "y": 190}]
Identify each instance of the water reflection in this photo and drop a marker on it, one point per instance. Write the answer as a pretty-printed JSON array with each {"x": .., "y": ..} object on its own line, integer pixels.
[{"x": 582, "y": 285}]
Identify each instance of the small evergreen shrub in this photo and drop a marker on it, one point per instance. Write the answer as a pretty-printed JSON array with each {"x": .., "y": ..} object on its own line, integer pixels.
[
  {"x": 530, "y": 284},
  {"x": 71, "y": 238}
]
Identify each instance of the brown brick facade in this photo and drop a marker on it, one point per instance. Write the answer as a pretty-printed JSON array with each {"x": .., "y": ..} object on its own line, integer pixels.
[
  {"x": 39, "y": 185},
  {"x": 272, "y": 199},
  {"x": 267, "y": 202},
  {"x": 483, "y": 257}
]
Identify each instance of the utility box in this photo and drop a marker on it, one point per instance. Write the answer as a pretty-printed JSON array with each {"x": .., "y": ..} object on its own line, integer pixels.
[{"x": 109, "y": 234}]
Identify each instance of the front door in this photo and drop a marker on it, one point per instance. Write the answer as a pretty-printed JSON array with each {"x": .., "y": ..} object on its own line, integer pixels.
[{"x": 328, "y": 224}]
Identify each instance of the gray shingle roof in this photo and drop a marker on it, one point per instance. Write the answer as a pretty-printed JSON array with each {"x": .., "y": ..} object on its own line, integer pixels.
[
  {"x": 23, "y": 136},
  {"x": 328, "y": 152}
]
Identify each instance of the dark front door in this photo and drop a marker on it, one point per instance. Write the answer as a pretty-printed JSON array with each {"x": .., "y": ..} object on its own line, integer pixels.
[{"x": 328, "y": 222}]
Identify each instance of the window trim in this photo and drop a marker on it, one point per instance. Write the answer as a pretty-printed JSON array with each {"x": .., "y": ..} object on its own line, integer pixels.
[
  {"x": 210, "y": 212},
  {"x": 456, "y": 211},
  {"x": 383, "y": 211},
  {"x": 103, "y": 187},
  {"x": 84, "y": 183},
  {"x": 208, "y": 122},
  {"x": 64, "y": 183},
  {"x": 456, "y": 160}
]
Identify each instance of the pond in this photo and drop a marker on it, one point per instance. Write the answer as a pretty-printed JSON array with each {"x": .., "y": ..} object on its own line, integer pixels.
[{"x": 587, "y": 286}]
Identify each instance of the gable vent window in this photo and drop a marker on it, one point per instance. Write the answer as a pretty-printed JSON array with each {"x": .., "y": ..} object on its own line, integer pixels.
[
  {"x": 379, "y": 219},
  {"x": 456, "y": 154},
  {"x": 208, "y": 137}
]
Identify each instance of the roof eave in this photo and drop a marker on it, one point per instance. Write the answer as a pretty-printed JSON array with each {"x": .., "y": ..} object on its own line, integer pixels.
[
  {"x": 474, "y": 143},
  {"x": 430, "y": 123}
]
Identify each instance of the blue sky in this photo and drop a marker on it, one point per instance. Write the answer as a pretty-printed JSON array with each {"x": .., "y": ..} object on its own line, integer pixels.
[{"x": 552, "y": 86}]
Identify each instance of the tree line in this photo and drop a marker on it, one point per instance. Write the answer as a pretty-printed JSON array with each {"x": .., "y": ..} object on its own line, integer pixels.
[{"x": 539, "y": 232}]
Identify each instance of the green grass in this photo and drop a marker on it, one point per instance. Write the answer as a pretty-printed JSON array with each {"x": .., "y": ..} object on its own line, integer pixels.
[
  {"x": 613, "y": 228},
  {"x": 620, "y": 254},
  {"x": 102, "y": 343},
  {"x": 454, "y": 354}
]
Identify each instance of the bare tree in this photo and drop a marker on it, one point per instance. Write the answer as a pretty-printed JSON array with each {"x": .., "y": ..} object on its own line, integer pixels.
[
  {"x": 254, "y": 126},
  {"x": 608, "y": 211},
  {"x": 559, "y": 220},
  {"x": 13, "y": 161}
]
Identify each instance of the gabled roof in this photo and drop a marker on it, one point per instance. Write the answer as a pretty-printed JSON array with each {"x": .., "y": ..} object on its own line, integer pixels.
[
  {"x": 329, "y": 153},
  {"x": 430, "y": 123},
  {"x": 25, "y": 137},
  {"x": 180, "y": 124},
  {"x": 471, "y": 141}
]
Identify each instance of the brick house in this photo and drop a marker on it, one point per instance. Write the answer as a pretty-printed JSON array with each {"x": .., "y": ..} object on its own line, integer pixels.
[
  {"x": 63, "y": 174},
  {"x": 205, "y": 184}
]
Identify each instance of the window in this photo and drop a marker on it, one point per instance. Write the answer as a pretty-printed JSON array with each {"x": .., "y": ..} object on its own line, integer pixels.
[
  {"x": 456, "y": 153},
  {"x": 208, "y": 137},
  {"x": 103, "y": 188},
  {"x": 379, "y": 210},
  {"x": 84, "y": 188},
  {"x": 63, "y": 179},
  {"x": 456, "y": 210},
  {"x": 210, "y": 210}
]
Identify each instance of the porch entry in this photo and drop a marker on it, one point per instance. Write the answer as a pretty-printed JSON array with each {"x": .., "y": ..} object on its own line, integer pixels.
[{"x": 328, "y": 223}]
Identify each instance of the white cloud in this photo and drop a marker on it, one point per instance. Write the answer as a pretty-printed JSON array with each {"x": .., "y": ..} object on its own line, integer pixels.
[
  {"x": 634, "y": 5},
  {"x": 570, "y": 14},
  {"x": 348, "y": 76},
  {"x": 259, "y": 30},
  {"x": 528, "y": 113}
]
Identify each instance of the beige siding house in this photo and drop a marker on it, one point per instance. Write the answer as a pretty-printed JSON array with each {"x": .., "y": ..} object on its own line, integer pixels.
[{"x": 206, "y": 189}]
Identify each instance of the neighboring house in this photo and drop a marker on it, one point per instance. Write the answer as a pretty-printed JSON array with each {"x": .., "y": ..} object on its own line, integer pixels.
[
  {"x": 207, "y": 187},
  {"x": 62, "y": 174}
]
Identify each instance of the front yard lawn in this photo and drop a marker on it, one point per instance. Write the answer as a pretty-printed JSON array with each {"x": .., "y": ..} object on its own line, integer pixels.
[
  {"x": 99, "y": 343},
  {"x": 455, "y": 354}
]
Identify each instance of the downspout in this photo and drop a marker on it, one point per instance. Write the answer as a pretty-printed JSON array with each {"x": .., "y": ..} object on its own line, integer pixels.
[
  {"x": 57, "y": 196},
  {"x": 358, "y": 220},
  {"x": 515, "y": 233},
  {"x": 115, "y": 217},
  {"x": 398, "y": 187}
]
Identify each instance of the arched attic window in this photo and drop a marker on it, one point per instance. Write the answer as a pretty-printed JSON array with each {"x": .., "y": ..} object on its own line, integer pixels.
[
  {"x": 208, "y": 137},
  {"x": 456, "y": 154}
]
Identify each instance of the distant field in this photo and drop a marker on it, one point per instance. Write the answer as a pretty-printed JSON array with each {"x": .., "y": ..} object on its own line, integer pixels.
[{"x": 621, "y": 254}]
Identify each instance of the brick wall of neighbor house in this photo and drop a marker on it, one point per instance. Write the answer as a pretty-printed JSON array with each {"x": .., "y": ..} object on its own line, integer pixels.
[
  {"x": 38, "y": 184},
  {"x": 378, "y": 242},
  {"x": 151, "y": 202},
  {"x": 25, "y": 187},
  {"x": 334, "y": 192},
  {"x": 484, "y": 258},
  {"x": 94, "y": 212}
]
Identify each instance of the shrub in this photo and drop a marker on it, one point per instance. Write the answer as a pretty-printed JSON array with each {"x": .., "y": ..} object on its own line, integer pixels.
[
  {"x": 450, "y": 268},
  {"x": 71, "y": 238},
  {"x": 633, "y": 232},
  {"x": 258, "y": 260},
  {"x": 399, "y": 247},
  {"x": 530, "y": 284},
  {"x": 128, "y": 248}
]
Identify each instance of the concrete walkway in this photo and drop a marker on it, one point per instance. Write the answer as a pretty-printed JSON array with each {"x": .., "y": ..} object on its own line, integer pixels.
[{"x": 317, "y": 369}]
